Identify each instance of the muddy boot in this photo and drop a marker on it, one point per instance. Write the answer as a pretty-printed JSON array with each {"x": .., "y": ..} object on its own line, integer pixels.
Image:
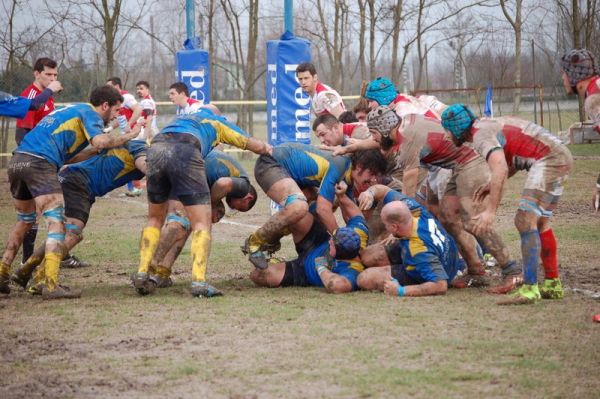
[
  {"x": 73, "y": 262},
  {"x": 526, "y": 294},
  {"x": 60, "y": 292},
  {"x": 161, "y": 282},
  {"x": 19, "y": 280},
  {"x": 552, "y": 289},
  {"x": 476, "y": 277},
  {"x": 258, "y": 251},
  {"x": 512, "y": 277},
  {"x": 34, "y": 287},
  {"x": 205, "y": 290},
  {"x": 4, "y": 279},
  {"x": 142, "y": 283}
]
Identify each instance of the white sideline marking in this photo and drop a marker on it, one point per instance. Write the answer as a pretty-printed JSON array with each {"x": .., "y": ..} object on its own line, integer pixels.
[{"x": 250, "y": 226}]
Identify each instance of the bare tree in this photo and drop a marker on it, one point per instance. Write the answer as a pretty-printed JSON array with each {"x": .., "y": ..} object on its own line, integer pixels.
[{"x": 516, "y": 22}]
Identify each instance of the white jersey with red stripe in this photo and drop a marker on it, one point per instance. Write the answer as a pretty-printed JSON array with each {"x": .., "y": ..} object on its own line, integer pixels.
[
  {"x": 325, "y": 100},
  {"x": 428, "y": 106},
  {"x": 592, "y": 102},
  {"x": 148, "y": 103},
  {"x": 191, "y": 106},
  {"x": 126, "y": 110}
]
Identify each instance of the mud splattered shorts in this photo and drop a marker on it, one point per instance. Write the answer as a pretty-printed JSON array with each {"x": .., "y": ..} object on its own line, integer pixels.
[
  {"x": 268, "y": 171},
  {"x": 31, "y": 176},
  {"x": 544, "y": 184},
  {"x": 175, "y": 168},
  {"x": 468, "y": 177},
  {"x": 78, "y": 199}
]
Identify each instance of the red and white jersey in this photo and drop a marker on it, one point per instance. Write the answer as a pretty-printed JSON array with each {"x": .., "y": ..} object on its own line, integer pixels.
[
  {"x": 34, "y": 117},
  {"x": 522, "y": 141},
  {"x": 325, "y": 100},
  {"x": 592, "y": 101},
  {"x": 428, "y": 106},
  {"x": 424, "y": 142},
  {"x": 191, "y": 106},
  {"x": 356, "y": 130},
  {"x": 147, "y": 103},
  {"x": 126, "y": 111}
]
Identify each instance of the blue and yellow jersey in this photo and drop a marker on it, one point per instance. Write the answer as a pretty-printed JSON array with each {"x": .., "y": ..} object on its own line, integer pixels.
[
  {"x": 430, "y": 253},
  {"x": 218, "y": 164},
  {"x": 413, "y": 205},
  {"x": 309, "y": 166},
  {"x": 63, "y": 133},
  {"x": 349, "y": 269},
  {"x": 209, "y": 129},
  {"x": 110, "y": 169},
  {"x": 15, "y": 107}
]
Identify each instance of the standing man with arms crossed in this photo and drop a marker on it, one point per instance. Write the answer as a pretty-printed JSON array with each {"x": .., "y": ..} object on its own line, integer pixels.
[{"x": 45, "y": 85}]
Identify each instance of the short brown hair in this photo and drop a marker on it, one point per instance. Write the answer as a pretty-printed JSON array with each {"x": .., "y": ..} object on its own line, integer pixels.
[
  {"x": 306, "y": 66},
  {"x": 44, "y": 62}
]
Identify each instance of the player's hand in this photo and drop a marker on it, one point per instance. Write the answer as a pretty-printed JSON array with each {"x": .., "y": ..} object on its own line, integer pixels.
[
  {"x": 390, "y": 239},
  {"x": 366, "y": 200},
  {"x": 268, "y": 149},
  {"x": 341, "y": 188},
  {"x": 55, "y": 86},
  {"x": 390, "y": 287},
  {"x": 482, "y": 223},
  {"x": 481, "y": 192}
]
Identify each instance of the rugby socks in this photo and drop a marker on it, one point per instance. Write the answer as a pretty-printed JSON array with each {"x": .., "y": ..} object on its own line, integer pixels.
[
  {"x": 148, "y": 244},
  {"x": 4, "y": 270},
  {"x": 549, "y": 254},
  {"x": 530, "y": 248},
  {"x": 200, "y": 248},
  {"x": 29, "y": 242},
  {"x": 52, "y": 267},
  {"x": 31, "y": 263},
  {"x": 162, "y": 272}
]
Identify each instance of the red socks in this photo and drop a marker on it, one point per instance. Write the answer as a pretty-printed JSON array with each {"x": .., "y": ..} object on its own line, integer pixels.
[{"x": 549, "y": 253}]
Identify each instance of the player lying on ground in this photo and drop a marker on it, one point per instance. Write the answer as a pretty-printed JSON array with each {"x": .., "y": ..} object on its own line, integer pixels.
[
  {"x": 324, "y": 260},
  {"x": 293, "y": 166}
]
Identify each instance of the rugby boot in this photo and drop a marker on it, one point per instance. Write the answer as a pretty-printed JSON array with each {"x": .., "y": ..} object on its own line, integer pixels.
[
  {"x": 258, "y": 251},
  {"x": 142, "y": 283},
  {"x": 476, "y": 277},
  {"x": 552, "y": 289},
  {"x": 135, "y": 192},
  {"x": 160, "y": 276},
  {"x": 60, "y": 292},
  {"x": 524, "y": 295},
  {"x": 508, "y": 284},
  {"x": 34, "y": 287},
  {"x": 205, "y": 290},
  {"x": 4, "y": 280},
  {"x": 73, "y": 262},
  {"x": 19, "y": 280}
]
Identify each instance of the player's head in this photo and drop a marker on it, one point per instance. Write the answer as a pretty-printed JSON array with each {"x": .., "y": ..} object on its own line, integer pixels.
[
  {"x": 397, "y": 219},
  {"x": 307, "y": 77},
  {"x": 348, "y": 117},
  {"x": 382, "y": 121},
  {"x": 344, "y": 243},
  {"x": 245, "y": 203},
  {"x": 367, "y": 168},
  {"x": 217, "y": 212},
  {"x": 327, "y": 129},
  {"x": 115, "y": 81},
  {"x": 458, "y": 119},
  {"x": 107, "y": 100},
  {"x": 380, "y": 91},
  {"x": 362, "y": 109},
  {"x": 142, "y": 88},
  {"x": 577, "y": 65},
  {"x": 45, "y": 71},
  {"x": 178, "y": 93}
]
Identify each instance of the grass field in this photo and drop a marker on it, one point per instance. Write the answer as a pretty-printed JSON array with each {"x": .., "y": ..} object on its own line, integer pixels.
[{"x": 299, "y": 342}]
